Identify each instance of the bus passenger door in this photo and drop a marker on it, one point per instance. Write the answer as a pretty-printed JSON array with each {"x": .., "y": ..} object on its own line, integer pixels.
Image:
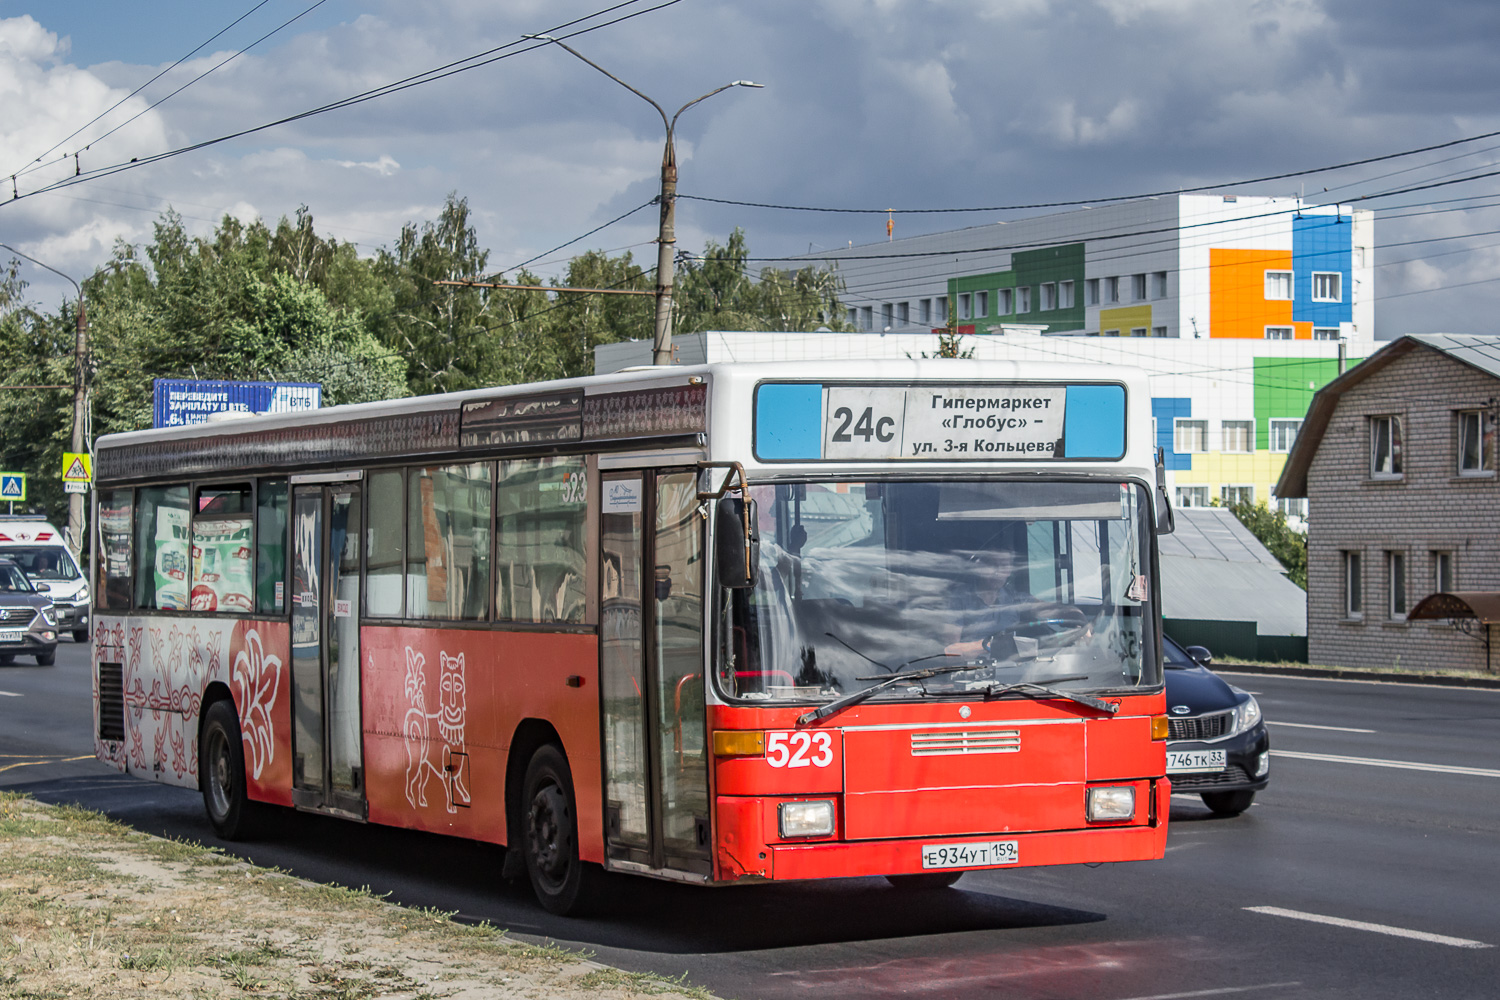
[
  {"x": 651, "y": 672},
  {"x": 327, "y": 750}
]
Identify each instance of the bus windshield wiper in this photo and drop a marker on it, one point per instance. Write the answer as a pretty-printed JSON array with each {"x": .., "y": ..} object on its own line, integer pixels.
[
  {"x": 1031, "y": 690},
  {"x": 855, "y": 697}
]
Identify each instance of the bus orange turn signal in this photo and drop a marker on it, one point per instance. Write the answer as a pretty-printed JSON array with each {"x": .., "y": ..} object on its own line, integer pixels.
[
  {"x": 732, "y": 743},
  {"x": 1161, "y": 727}
]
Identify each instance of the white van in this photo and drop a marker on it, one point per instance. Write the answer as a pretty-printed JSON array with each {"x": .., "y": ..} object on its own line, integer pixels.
[{"x": 38, "y": 548}]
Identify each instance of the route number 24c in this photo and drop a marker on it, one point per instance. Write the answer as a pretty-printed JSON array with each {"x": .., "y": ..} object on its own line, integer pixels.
[{"x": 799, "y": 749}]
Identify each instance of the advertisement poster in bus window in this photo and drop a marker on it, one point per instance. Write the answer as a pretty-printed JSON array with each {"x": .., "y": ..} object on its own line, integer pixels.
[
  {"x": 222, "y": 566},
  {"x": 171, "y": 559},
  {"x": 114, "y": 544}
]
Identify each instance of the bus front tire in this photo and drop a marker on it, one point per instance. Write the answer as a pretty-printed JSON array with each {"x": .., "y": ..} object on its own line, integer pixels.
[
  {"x": 221, "y": 775},
  {"x": 925, "y": 881},
  {"x": 560, "y": 879}
]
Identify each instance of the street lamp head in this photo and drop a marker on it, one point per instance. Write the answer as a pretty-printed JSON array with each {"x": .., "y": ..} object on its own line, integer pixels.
[{"x": 748, "y": 83}]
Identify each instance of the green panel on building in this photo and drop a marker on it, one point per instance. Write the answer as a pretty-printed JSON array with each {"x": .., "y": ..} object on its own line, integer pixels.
[
  {"x": 1284, "y": 389},
  {"x": 1029, "y": 269}
]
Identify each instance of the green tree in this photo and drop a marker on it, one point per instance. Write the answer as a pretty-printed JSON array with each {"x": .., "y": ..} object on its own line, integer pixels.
[{"x": 1288, "y": 546}]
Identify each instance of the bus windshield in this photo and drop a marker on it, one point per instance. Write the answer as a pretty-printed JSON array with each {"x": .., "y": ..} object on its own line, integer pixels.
[{"x": 1010, "y": 582}]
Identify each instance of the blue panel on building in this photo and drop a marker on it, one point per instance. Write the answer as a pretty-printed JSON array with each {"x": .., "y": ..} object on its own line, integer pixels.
[
  {"x": 1322, "y": 243},
  {"x": 789, "y": 421},
  {"x": 1165, "y": 409}
]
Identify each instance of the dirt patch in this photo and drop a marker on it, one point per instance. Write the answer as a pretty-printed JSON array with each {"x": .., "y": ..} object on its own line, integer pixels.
[{"x": 92, "y": 909}]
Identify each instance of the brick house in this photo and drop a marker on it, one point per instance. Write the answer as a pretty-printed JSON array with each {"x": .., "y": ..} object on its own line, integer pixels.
[{"x": 1397, "y": 460}]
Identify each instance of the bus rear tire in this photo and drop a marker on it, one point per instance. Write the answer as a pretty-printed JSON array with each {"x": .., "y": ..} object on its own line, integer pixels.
[
  {"x": 549, "y": 835},
  {"x": 221, "y": 776},
  {"x": 924, "y": 882}
]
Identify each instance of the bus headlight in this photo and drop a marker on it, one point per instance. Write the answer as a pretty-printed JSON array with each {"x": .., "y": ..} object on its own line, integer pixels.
[
  {"x": 1106, "y": 804},
  {"x": 805, "y": 819}
]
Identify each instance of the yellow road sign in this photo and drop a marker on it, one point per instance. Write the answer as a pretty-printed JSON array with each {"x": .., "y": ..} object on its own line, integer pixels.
[{"x": 76, "y": 468}]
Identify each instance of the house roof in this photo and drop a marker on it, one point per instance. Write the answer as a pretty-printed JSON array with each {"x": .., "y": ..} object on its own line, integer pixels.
[
  {"x": 1478, "y": 351},
  {"x": 1214, "y": 569}
]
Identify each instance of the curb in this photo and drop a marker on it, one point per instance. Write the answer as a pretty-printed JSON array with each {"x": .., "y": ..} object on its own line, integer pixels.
[{"x": 1321, "y": 673}]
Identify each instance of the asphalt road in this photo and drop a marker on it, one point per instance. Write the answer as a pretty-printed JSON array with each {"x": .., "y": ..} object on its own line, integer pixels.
[{"x": 1367, "y": 870}]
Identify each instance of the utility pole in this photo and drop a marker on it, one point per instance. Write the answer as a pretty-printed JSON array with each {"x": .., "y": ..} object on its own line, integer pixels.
[{"x": 661, "y": 350}]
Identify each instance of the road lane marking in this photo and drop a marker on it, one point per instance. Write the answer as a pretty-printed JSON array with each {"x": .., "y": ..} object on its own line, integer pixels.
[
  {"x": 1308, "y": 725},
  {"x": 1360, "y": 680},
  {"x": 45, "y": 760},
  {"x": 1360, "y": 925},
  {"x": 1220, "y": 991},
  {"x": 1406, "y": 765}
]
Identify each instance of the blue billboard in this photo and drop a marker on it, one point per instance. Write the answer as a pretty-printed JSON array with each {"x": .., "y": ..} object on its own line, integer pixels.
[{"x": 179, "y": 402}]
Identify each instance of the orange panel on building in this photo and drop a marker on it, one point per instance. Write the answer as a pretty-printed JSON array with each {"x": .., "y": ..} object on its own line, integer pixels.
[{"x": 1237, "y": 294}]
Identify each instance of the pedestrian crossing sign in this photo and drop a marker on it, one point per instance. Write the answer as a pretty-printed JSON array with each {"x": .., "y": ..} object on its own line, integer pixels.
[
  {"x": 76, "y": 468},
  {"x": 12, "y": 486}
]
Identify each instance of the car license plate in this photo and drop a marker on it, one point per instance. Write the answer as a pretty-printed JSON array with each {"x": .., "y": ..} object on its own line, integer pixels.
[
  {"x": 980, "y": 855},
  {"x": 1195, "y": 761},
  {"x": 12, "y": 634}
]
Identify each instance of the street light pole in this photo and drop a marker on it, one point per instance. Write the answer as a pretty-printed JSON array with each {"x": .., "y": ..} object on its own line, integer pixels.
[{"x": 661, "y": 351}]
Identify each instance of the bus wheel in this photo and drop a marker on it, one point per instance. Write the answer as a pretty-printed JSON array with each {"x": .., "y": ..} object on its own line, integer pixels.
[
  {"x": 550, "y": 833},
  {"x": 1228, "y": 803},
  {"x": 221, "y": 774},
  {"x": 925, "y": 881}
]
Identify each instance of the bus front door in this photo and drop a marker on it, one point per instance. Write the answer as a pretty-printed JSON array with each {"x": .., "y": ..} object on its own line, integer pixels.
[
  {"x": 327, "y": 755},
  {"x": 651, "y": 671}
]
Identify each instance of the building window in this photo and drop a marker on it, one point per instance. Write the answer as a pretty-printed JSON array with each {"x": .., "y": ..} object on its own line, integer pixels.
[
  {"x": 1005, "y": 302},
  {"x": 1091, "y": 292},
  {"x": 1279, "y": 285},
  {"x": 1292, "y": 506},
  {"x": 1327, "y": 286},
  {"x": 1354, "y": 605},
  {"x": 1192, "y": 496},
  {"x": 1230, "y": 495},
  {"x": 963, "y": 306},
  {"x": 1158, "y": 331},
  {"x": 941, "y": 303},
  {"x": 1138, "y": 287},
  {"x": 1065, "y": 295},
  {"x": 1023, "y": 299},
  {"x": 1111, "y": 333},
  {"x": 1325, "y": 333},
  {"x": 1189, "y": 436},
  {"x": 1385, "y": 447},
  {"x": 1442, "y": 573},
  {"x": 1138, "y": 331},
  {"x": 1284, "y": 434},
  {"x": 1111, "y": 289},
  {"x": 1238, "y": 435},
  {"x": 887, "y": 314},
  {"x": 1476, "y": 443},
  {"x": 1395, "y": 566},
  {"x": 1278, "y": 333},
  {"x": 1159, "y": 284},
  {"x": 1048, "y": 296},
  {"x": 854, "y": 318},
  {"x": 981, "y": 304},
  {"x": 924, "y": 312},
  {"x": 903, "y": 313},
  {"x": 867, "y": 317}
]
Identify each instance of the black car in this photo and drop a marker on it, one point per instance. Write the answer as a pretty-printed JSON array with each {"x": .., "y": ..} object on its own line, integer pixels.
[
  {"x": 1218, "y": 745},
  {"x": 28, "y": 622}
]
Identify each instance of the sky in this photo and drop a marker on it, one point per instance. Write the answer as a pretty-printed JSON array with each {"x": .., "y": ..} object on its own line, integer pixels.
[{"x": 867, "y": 104}]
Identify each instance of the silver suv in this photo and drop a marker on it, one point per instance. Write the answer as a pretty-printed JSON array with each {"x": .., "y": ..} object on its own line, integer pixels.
[{"x": 28, "y": 621}]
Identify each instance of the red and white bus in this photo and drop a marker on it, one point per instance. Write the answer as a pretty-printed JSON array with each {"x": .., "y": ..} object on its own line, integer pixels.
[{"x": 718, "y": 624}]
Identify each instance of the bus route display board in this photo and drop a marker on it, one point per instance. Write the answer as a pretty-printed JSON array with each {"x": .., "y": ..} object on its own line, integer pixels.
[{"x": 1015, "y": 422}]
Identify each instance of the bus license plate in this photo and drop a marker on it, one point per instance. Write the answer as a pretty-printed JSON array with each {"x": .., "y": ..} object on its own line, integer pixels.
[
  {"x": 1195, "y": 761},
  {"x": 12, "y": 634},
  {"x": 980, "y": 855}
]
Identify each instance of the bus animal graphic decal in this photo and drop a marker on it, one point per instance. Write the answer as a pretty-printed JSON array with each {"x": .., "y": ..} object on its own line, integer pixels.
[
  {"x": 427, "y": 757},
  {"x": 257, "y": 675}
]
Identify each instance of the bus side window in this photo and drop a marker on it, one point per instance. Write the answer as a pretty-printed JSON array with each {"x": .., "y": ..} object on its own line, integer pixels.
[
  {"x": 542, "y": 527},
  {"x": 223, "y": 551},
  {"x": 270, "y": 546},
  {"x": 113, "y": 591},
  {"x": 448, "y": 542},
  {"x": 384, "y": 552},
  {"x": 161, "y": 542}
]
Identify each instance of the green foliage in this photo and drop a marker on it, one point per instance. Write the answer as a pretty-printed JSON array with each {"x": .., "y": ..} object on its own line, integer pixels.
[
  {"x": 1288, "y": 546},
  {"x": 717, "y": 293}
]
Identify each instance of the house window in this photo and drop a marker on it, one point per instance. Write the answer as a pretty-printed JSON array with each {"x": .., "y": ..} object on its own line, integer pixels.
[
  {"x": 1476, "y": 443},
  {"x": 903, "y": 313},
  {"x": 1327, "y": 286},
  {"x": 1048, "y": 296},
  {"x": 1284, "y": 434},
  {"x": 1091, "y": 292},
  {"x": 981, "y": 304},
  {"x": 1111, "y": 289},
  {"x": 1354, "y": 605},
  {"x": 1278, "y": 333},
  {"x": 1023, "y": 299},
  {"x": 1278, "y": 285},
  {"x": 1192, "y": 496},
  {"x": 1292, "y": 506},
  {"x": 1385, "y": 447},
  {"x": 1395, "y": 567},
  {"x": 1138, "y": 287},
  {"x": 1111, "y": 333},
  {"x": 1231, "y": 495},
  {"x": 1189, "y": 436},
  {"x": 1442, "y": 572},
  {"x": 1325, "y": 333},
  {"x": 1005, "y": 301},
  {"x": 1238, "y": 435},
  {"x": 924, "y": 312},
  {"x": 963, "y": 306},
  {"x": 1158, "y": 331},
  {"x": 1159, "y": 284},
  {"x": 1138, "y": 331},
  {"x": 1065, "y": 295}
]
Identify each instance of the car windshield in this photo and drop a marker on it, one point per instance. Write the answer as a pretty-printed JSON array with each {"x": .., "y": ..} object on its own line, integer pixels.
[
  {"x": 47, "y": 562},
  {"x": 1040, "y": 582},
  {"x": 13, "y": 581}
]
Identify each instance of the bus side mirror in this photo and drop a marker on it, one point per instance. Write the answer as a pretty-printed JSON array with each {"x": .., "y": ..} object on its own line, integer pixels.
[{"x": 737, "y": 542}]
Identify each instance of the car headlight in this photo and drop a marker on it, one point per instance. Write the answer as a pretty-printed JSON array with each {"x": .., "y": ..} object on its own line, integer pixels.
[
  {"x": 82, "y": 596},
  {"x": 49, "y": 615},
  {"x": 1246, "y": 713}
]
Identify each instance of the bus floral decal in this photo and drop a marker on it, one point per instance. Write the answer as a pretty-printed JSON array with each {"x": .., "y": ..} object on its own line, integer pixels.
[
  {"x": 257, "y": 676},
  {"x": 427, "y": 758}
]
